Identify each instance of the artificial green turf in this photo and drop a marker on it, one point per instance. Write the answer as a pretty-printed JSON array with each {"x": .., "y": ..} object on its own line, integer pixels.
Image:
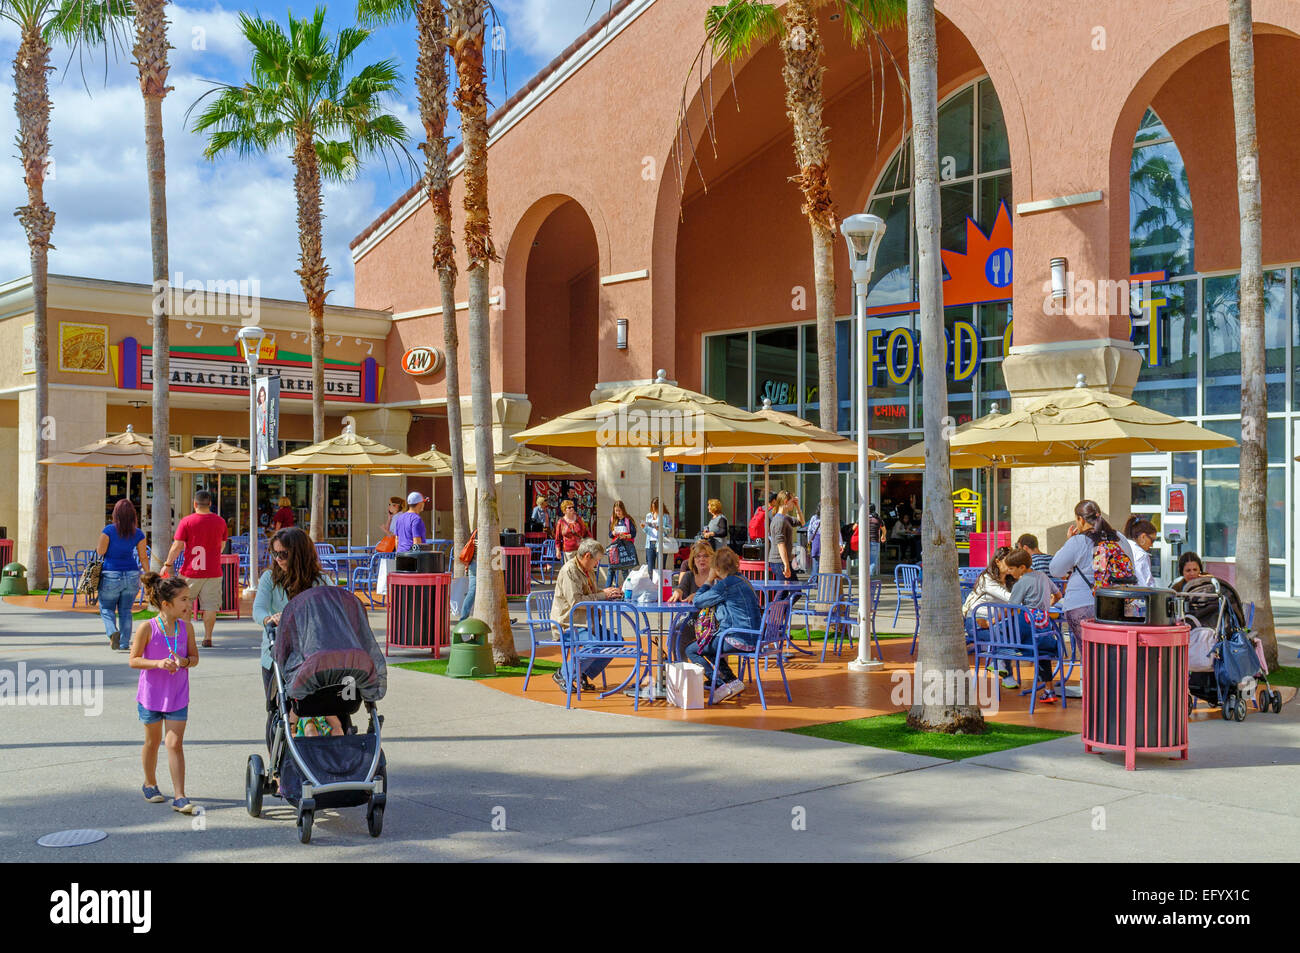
[
  {"x": 438, "y": 666},
  {"x": 1286, "y": 675},
  {"x": 891, "y": 731},
  {"x": 819, "y": 635}
]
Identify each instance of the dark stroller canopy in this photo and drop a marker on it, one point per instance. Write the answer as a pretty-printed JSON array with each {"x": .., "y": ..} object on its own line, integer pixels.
[
  {"x": 324, "y": 639},
  {"x": 1203, "y": 599}
]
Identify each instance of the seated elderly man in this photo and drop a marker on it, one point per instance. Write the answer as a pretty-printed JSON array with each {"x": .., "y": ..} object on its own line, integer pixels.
[{"x": 576, "y": 583}]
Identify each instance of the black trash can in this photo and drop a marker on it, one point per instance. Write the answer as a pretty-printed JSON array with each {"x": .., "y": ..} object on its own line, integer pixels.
[
  {"x": 511, "y": 539},
  {"x": 421, "y": 561},
  {"x": 752, "y": 551}
]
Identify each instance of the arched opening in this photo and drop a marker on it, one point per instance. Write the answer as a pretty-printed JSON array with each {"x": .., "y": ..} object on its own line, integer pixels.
[{"x": 561, "y": 310}]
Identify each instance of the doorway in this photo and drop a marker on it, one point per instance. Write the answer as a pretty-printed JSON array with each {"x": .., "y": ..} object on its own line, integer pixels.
[{"x": 1148, "y": 502}]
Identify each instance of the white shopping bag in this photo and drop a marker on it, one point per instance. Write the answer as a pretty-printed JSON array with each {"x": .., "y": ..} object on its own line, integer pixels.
[
  {"x": 640, "y": 586},
  {"x": 799, "y": 559},
  {"x": 685, "y": 684},
  {"x": 381, "y": 584}
]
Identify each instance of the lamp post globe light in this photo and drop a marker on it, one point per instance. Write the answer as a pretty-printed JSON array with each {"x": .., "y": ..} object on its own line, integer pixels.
[
  {"x": 251, "y": 337},
  {"x": 863, "y": 233}
]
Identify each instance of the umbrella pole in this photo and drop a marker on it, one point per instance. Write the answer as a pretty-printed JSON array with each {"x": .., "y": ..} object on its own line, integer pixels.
[
  {"x": 996, "y": 521},
  {"x": 767, "y": 540},
  {"x": 1082, "y": 492}
]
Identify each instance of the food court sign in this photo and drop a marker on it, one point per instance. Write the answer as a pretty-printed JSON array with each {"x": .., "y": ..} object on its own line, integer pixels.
[{"x": 223, "y": 371}]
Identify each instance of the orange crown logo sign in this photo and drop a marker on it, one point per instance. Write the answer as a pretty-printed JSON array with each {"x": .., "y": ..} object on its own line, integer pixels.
[{"x": 984, "y": 272}]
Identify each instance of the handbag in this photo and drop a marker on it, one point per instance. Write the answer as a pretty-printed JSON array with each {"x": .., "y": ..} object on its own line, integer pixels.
[
  {"x": 88, "y": 584},
  {"x": 622, "y": 554},
  {"x": 387, "y": 545},
  {"x": 470, "y": 551}
]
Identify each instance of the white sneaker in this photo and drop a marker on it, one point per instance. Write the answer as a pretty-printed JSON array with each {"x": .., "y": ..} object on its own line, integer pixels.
[
  {"x": 1010, "y": 681},
  {"x": 1073, "y": 691},
  {"x": 726, "y": 691}
]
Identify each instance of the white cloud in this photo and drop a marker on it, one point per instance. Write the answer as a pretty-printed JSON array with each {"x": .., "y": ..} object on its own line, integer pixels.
[
  {"x": 227, "y": 220},
  {"x": 543, "y": 28}
]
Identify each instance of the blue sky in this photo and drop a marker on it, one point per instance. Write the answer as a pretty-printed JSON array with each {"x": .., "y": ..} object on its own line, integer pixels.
[{"x": 232, "y": 219}]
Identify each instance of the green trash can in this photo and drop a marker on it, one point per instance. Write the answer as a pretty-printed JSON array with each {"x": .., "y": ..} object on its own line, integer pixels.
[
  {"x": 471, "y": 652},
  {"x": 13, "y": 580}
]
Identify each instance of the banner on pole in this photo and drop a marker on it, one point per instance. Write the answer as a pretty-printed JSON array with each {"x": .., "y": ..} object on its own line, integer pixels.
[{"x": 266, "y": 441}]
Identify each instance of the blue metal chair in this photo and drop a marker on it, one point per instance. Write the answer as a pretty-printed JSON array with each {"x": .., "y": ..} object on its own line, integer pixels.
[
  {"x": 326, "y": 552},
  {"x": 1002, "y": 642},
  {"x": 365, "y": 577},
  {"x": 613, "y": 631},
  {"x": 830, "y": 590},
  {"x": 59, "y": 563},
  {"x": 541, "y": 630},
  {"x": 549, "y": 561},
  {"x": 768, "y": 643},
  {"x": 907, "y": 580}
]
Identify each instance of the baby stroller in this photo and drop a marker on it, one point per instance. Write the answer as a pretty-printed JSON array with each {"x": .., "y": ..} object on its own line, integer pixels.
[
  {"x": 1230, "y": 663},
  {"x": 325, "y": 661}
]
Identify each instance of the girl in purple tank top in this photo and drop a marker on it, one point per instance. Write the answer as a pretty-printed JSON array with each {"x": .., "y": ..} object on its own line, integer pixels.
[{"x": 164, "y": 650}]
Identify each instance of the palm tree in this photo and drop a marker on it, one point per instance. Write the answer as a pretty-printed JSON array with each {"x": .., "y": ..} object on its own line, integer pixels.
[
  {"x": 466, "y": 28},
  {"x": 151, "y": 63},
  {"x": 301, "y": 97},
  {"x": 39, "y": 22},
  {"x": 1252, "y": 502},
  {"x": 431, "y": 82},
  {"x": 731, "y": 30},
  {"x": 942, "y": 646}
]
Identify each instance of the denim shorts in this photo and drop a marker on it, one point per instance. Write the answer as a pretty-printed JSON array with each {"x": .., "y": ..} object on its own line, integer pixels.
[{"x": 149, "y": 717}]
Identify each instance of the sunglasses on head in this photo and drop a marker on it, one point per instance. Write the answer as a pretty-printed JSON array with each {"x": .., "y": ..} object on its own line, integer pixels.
[{"x": 281, "y": 554}]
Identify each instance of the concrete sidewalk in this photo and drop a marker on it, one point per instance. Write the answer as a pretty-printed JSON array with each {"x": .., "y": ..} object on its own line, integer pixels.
[{"x": 476, "y": 774}]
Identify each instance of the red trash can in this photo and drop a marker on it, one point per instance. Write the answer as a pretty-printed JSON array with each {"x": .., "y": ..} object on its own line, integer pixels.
[
  {"x": 419, "y": 610},
  {"x": 1135, "y": 689},
  {"x": 751, "y": 568},
  {"x": 517, "y": 561},
  {"x": 229, "y": 586}
]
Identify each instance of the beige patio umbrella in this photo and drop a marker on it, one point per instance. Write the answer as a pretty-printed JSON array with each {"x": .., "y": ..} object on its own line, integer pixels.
[
  {"x": 818, "y": 446},
  {"x": 347, "y": 454},
  {"x": 124, "y": 451},
  {"x": 218, "y": 458},
  {"x": 657, "y": 416}
]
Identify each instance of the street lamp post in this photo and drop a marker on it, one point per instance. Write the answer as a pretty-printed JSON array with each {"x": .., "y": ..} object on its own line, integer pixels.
[
  {"x": 863, "y": 233},
  {"x": 251, "y": 338}
]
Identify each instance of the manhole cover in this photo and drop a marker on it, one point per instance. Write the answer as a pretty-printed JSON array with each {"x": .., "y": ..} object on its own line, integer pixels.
[{"x": 71, "y": 838}]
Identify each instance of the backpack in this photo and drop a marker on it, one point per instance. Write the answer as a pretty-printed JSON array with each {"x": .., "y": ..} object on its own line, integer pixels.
[
  {"x": 1111, "y": 566},
  {"x": 756, "y": 524}
]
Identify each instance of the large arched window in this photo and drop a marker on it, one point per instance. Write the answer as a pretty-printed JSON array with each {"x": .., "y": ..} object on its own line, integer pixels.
[
  {"x": 975, "y": 177},
  {"x": 1160, "y": 204}
]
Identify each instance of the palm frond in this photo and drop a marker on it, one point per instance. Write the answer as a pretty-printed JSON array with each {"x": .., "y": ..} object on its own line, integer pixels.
[
  {"x": 734, "y": 28},
  {"x": 373, "y": 13},
  {"x": 865, "y": 18}
]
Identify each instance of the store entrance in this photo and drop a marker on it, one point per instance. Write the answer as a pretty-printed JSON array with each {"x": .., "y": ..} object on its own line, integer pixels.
[
  {"x": 1148, "y": 503},
  {"x": 900, "y": 508}
]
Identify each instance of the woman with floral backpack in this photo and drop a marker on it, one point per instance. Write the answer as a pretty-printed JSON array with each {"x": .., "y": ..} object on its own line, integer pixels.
[{"x": 1093, "y": 557}]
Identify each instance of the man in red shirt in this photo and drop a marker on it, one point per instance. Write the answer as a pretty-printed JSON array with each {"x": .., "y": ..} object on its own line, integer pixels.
[{"x": 201, "y": 536}]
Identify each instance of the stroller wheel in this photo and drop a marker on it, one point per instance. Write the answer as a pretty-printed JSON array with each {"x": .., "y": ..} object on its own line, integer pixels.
[
  {"x": 254, "y": 784},
  {"x": 304, "y": 826},
  {"x": 1277, "y": 701},
  {"x": 1226, "y": 708},
  {"x": 375, "y": 820},
  {"x": 1239, "y": 709}
]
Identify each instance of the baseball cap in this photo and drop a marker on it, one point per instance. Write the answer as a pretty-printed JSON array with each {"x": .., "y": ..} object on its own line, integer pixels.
[{"x": 415, "y": 496}]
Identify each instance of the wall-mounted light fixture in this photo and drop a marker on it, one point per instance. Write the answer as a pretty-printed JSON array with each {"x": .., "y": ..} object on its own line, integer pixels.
[
  {"x": 621, "y": 326},
  {"x": 1060, "y": 288}
]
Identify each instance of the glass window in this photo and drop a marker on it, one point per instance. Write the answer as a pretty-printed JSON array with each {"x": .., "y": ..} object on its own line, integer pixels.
[
  {"x": 1152, "y": 128},
  {"x": 898, "y": 174},
  {"x": 892, "y": 280},
  {"x": 890, "y": 401},
  {"x": 995, "y": 151},
  {"x": 993, "y": 192},
  {"x": 1185, "y": 471},
  {"x": 1169, "y": 386},
  {"x": 1232, "y": 428},
  {"x": 956, "y": 205},
  {"x": 993, "y": 388},
  {"x": 1221, "y": 493},
  {"x": 843, "y": 374},
  {"x": 1223, "y": 342},
  {"x": 776, "y": 369},
  {"x": 956, "y": 132},
  {"x": 727, "y": 368},
  {"x": 1160, "y": 208}
]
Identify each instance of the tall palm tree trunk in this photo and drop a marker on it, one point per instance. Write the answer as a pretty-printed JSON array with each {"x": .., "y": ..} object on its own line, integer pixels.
[
  {"x": 466, "y": 24},
  {"x": 32, "y": 102},
  {"x": 942, "y": 645},
  {"x": 1252, "y": 501},
  {"x": 312, "y": 272},
  {"x": 431, "y": 80},
  {"x": 151, "y": 61},
  {"x": 804, "y": 100}
]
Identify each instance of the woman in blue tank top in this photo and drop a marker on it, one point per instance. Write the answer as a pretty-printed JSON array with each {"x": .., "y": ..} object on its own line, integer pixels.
[{"x": 122, "y": 545}]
